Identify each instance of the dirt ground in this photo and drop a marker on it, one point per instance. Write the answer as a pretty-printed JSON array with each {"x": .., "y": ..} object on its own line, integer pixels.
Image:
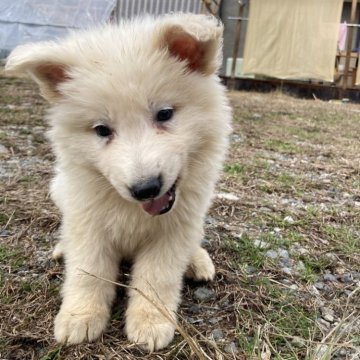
[{"x": 283, "y": 232}]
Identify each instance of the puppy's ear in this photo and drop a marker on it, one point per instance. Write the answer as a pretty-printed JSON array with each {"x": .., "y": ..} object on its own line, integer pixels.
[
  {"x": 196, "y": 39},
  {"x": 44, "y": 63}
]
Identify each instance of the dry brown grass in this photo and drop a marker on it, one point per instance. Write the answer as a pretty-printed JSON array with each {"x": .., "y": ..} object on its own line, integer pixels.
[{"x": 289, "y": 158}]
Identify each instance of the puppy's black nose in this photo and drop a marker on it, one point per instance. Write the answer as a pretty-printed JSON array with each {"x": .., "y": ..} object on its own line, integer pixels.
[{"x": 147, "y": 189}]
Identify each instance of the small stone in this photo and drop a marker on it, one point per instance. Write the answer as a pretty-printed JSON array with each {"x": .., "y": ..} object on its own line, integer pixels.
[
  {"x": 300, "y": 266},
  {"x": 347, "y": 278},
  {"x": 217, "y": 334},
  {"x": 339, "y": 270},
  {"x": 265, "y": 209},
  {"x": 321, "y": 351},
  {"x": 277, "y": 230},
  {"x": 326, "y": 310},
  {"x": 231, "y": 348},
  {"x": 210, "y": 220},
  {"x": 319, "y": 285},
  {"x": 283, "y": 253},
  {"x": 4, "y": 233},
  {"x": 227, "y": 196},
  {"x": 261, "y": 244},
  {"x": 3, "y": 150},
  {"x": 286, "y": 262},
  {"x": 250, "y": 270},
  {"x": 195, "y": 309},
  {"x": 272, "y": 254},
  {"x": 192, "y": 320},
  {"x": 204, "y": 294},
  {"x": 234, "y": 138},
  {"x": 329, "y": 277},
  {"x": 289, "y": 219},
  {"x": 343, "y": 352},
  {"x": 294, "y": 287},
  {"x": 205, "y": 243},
  {"x": 328, "y": 318},
  {"x": 298, "y": 341},
  {"x": 331, "y": 256},
  {"x": 286, "y": 270},
  {"x": 213, "y": 320}
]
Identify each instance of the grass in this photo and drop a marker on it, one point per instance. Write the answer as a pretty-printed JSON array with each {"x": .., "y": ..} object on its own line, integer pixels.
[
  {"x": 53, "y": 354},
  {"x": 346, "y": 238},
  {"x": 244, "y": 251},
  {"x": 282, "y": 146},
  {"x": 281, "y": 319},
  {"x": 296, "y": 159},
  {"x": 11, "y": 257},
  {"x": 234, "y": 169}
]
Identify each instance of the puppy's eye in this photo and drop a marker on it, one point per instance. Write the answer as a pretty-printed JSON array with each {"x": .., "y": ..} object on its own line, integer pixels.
[
  {"x": 103, "y": 131},
  {"x": 165, "y": 114}
]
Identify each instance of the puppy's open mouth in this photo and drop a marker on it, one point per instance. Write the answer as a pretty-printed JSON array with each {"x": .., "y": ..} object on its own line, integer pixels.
[{"x": 161, "y": 205}]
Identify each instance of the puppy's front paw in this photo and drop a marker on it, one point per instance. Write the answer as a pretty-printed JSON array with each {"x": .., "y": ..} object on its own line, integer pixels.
[
  {"x": 74, "y": 327},
  {"x": 201, "y": 267},
  {"x": 150, "y": 330}
]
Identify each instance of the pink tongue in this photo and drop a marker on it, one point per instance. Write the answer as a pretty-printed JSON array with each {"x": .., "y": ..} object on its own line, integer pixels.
[{"x": 153, "y": 207}]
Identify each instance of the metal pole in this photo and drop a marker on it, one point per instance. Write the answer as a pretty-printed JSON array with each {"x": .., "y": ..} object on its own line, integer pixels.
[
  {"x": 349, "y": 44},
  {"x": 236, "y": 45}
]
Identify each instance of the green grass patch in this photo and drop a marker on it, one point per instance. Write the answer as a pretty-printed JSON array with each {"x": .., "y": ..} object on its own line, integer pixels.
[
  {"x": 282, "y": 146},
  {"x": 11, "y": 257},
  {"x": 345, "y": 237},
  {"x": 234, "y": 169},
  {"x": 26, "y": 179},
  {"x": 53, "y": 354},
  {"x": 286, "y": 180},
  {"x": 314, "y": 265},
  {"x": 262, "y": 164},
  {"x": 282, "y": 317},
  {"x": 244, "y": 251},
  {"x": 3, "y": 219},
  {"x": 24, "y": 131}
]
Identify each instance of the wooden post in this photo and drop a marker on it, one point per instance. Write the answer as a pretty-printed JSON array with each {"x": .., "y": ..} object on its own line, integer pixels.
[
  {"x": 349, "y": 40},
  {"x": 236, "y": 45},
  {"x": 208, "y": 6}
]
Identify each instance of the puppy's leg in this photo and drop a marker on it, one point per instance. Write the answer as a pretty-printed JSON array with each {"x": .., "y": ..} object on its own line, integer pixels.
[
  {"x": 85, "y": 310},
  {"x": 58, "y": 252},
  {"x": 158, "y": 272},
  {"x": 201, "y": 267}
]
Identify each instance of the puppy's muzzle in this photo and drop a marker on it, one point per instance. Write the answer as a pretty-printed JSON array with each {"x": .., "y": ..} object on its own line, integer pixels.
[{"x": 148, "y": 192}]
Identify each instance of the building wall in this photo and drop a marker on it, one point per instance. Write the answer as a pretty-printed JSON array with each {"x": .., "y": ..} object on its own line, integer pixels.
[
  {"x": 231, "y": 8},
  {"x": 345, "y": 16},
  {"x": 129, "y": 8}
]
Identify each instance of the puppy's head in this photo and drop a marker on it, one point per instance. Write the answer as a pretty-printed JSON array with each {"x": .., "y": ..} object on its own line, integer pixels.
[{"x": 133, "y": 102}]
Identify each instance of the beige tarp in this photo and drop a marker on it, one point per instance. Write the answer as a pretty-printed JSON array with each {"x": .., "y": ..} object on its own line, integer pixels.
[{"x": 292, "y": 39}]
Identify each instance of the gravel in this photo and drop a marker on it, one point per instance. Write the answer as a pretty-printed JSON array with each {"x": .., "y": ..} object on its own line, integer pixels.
[
  {"x": 204, "y": 294},
  {"x": 329, "y": 277},
  {"x": 347, "y": 278},
  {"x": 3, "y": 150},
  {"x": 217, "y": 334},
  {"x": 231, "y": 348}
]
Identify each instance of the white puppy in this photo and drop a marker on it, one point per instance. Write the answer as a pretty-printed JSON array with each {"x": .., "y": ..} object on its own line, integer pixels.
[{"x": 139, "y": 124}]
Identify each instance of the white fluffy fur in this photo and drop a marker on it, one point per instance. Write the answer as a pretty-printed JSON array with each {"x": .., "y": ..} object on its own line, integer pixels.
[{"x": 122, "y": 75}]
